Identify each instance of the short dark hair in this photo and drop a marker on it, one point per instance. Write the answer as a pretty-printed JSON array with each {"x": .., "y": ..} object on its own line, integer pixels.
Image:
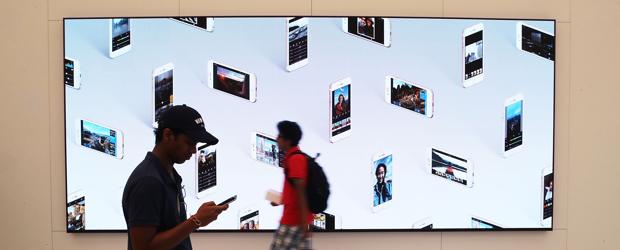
[
  {"x": 381, "y": 165},
  {"x": 159, "y": 133},
  {"x": 290, "y": 131}
]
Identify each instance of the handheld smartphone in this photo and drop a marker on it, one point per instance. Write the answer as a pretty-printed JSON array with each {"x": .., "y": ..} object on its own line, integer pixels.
[
  {"x": 480, "y": 223},
  {"x": 473, "y": 70},
  {"x": 76, "y": 211},
  {"x": 120, "y": 37},
  {"x": 203, "y": 23},
  {"x": 374, "y": 29},
  {"x": 162, "y": 79},
  {"x": 73, "y": 76},
  {"x": 451, "y": 167},
  {"x": 409, "y": 96},
  {"x": 323, "y": 222},
  {"x": 248, "y": 220},
  {"x": 99, "y": 137},
  {"x": 424, "y": 224},
  {"x": 228, "y": 201},
  {"x": 535, "y": 41},
  {"x": 206, "y": 169},
  {"x": 297, "y": 41},
  {"x": 547, "y": 197},
  {"x": 232, "y": 81},
  {"x": 265, "y": 149},
  {"x": 513, "y": 125},
  {"x": 340, "y": 110},
  {"x": 382, "y": 175}
]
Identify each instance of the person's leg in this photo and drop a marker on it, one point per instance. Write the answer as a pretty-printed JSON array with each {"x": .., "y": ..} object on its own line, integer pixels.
[{"x": 287, "y": 238}]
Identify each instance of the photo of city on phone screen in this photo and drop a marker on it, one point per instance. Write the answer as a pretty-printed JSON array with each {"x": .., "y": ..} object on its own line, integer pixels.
[
  {"x": 120, "y": 33},
  {"x": 341, "y": 110},
  {"x": 99, "y": 138},
  {"x": 408, "y": 96},
  {"x": 267, "y": 150},
  {"x": 514, "y": 130},
  {"x": 473, "y": 55},
  {"x": 297, "y": 40},
  {"x": 231, "y": 81}
]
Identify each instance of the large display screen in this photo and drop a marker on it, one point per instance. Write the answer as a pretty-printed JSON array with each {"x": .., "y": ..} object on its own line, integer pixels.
[{"x": 436, "y": 139}]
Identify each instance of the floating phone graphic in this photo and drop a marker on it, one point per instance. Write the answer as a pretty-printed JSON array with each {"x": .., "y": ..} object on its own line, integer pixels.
[
  {"x": 340, "y": 111},
  {"x": 473, "y": 48},
  {"x": 206, "y": 169},
  {"x": 99, "y": 138},
  {"x": 120, "y": 37},
  {"x": 374, "y": 29},
  {"x": 297, "y": 40}
]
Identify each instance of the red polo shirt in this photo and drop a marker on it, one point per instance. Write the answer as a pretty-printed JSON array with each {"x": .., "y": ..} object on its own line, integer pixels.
[{"x": 297, "y": 168}]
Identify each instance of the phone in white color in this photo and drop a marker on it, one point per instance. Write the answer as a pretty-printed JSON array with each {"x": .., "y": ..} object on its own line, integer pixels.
[
  {"x": 423, "y": 224},
  {"x": 203, "y": 23},
  {"x": 409, "y": 96},
  {"x": 76, "y": 211},
  {"x": 546, "y": 211},
  {"x": 482, "y": 223},
  {"x": 451, "y": 167},
  {"x": 264, "y": 148},
  {"x": 297, "y": 42},
  {"x": 206, "y": 169},
  {"x": 340, "y": 110},
  {"x": 274, "y": 196},
  {"x": 473, "y": 51},
  {"x": 374, "y": 29},
  {"x": 72, "y": 73},
  {"x": 249, "y": 219},
  {"x": 120, "y": 37},
  {"x": 232, "y": 81},
  {"x": 535, "y": 41},
  {"x": 382, "y": 176},
  {"x": 162, "y": 95},
  {"x": 513, "y": 125},
  {"x": 99, "y": 137}
]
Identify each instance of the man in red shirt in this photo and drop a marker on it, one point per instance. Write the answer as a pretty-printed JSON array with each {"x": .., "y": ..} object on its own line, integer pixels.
[{"x": 293, "y": 232}]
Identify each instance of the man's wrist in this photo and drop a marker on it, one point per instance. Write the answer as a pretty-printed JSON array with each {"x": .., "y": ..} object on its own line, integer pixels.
[{"x": 195, "y": 221}]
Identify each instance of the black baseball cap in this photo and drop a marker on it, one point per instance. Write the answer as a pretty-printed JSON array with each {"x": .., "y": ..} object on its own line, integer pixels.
[{"x": 188, "y": 121}]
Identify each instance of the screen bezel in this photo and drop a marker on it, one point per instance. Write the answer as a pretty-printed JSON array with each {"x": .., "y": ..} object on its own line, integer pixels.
[{"x": 320, "y": 16}]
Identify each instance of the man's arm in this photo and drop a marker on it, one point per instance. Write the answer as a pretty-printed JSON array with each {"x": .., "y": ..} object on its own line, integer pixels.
[
  {"x": 146, "y": 237},
  {"x": 302, "y": 202}
]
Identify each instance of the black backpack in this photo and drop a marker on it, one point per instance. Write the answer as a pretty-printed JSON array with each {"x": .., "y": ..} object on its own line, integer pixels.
[{"x": 317, "y": 187}]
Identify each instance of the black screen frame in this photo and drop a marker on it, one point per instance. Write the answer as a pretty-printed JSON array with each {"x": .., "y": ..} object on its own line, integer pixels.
[{"x": 265, "y": 231}]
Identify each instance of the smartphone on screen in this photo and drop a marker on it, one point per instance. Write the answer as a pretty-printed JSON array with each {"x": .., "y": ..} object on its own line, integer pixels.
[
  {"x": 424, "y": 224},
  {"x": 340, "y": 110},
  {"x": 323, "y": 222},
  {"x": 547, "y": 197},
  {"x": 480, "y": 223},
  {"x": 265, "y": 149},
  {"x": 451, "y": 167},
  {"x": 72, "y": 74},
  {"x": 382, "y": 175},
  {"x": 248, "y": 220},
  {"x": 202, "y": 23},
  {"x": 409, "y": 96},
  {"x": 535, "y": 41},
  {"x": 120, "y": 37},
  {"x": 206, "y": 169},
  {"x": 99, "y": 137},
  {"x": 162, "y": 80},
  {"x": 76, "y": 211},
  {"x": 232, "y": 81},
  {"x": 297, "y": 42},
  {"x": 513, "y": 125},
  {"x": 473, "y": 47},
  {"x": 374, "y": 29}
]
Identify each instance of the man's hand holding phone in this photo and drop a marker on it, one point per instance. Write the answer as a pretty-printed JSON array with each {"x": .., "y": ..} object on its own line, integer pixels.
[{"x": 208, "y": 212}]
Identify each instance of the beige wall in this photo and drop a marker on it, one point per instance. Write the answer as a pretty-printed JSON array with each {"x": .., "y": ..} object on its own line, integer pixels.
[{"x": 587, "y": 123}]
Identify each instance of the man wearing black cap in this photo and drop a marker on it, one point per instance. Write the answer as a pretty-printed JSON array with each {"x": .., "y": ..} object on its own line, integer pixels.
[{"x": 153, "y": 199}]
